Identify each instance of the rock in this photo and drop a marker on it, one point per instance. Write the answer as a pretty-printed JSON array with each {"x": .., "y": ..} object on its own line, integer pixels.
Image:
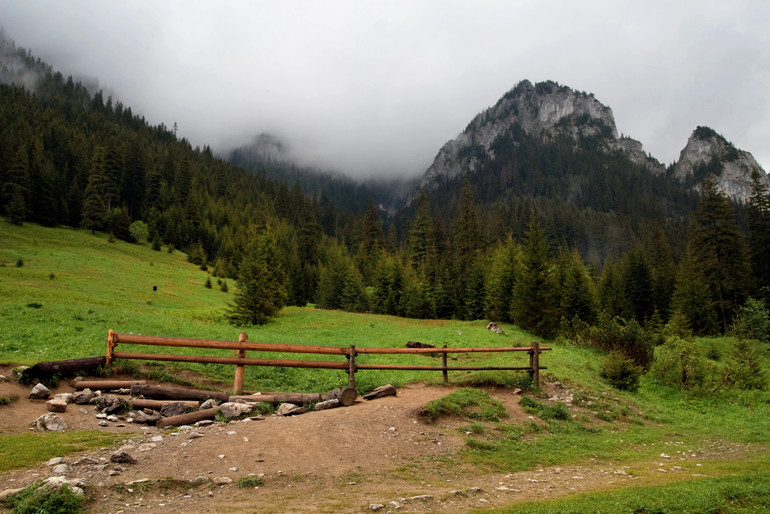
[
  {"x": 50, "y": 422},
  {"x": 147, "y": 419},
  {"x": 209, "y": 404},
  {"x": 109, "y": 404},
  {"x": 200, "y": 480},
  {"x": 60, "y": 469},
  {"x": 3, "y": 379},
  {"x": 39, "y": 392},
  {"x": 10, "y": 492},
  {"x": 236, "y": 409},
  {"x": 83, "y": 397},
  {"x": 222, "y": 480},
  {"x": 146, "y": 447},
  {"x": 113, "y": 418},
  {"x": 173, "y": 409},
  {"x": 65, "y": 397},
  {"x": 103, "y": 424},
  {"x": 376, "y": 506},
  {"x": 55, "y": 461},
  {"x": 289, "y": 409},
  {"x": 494, "y": 327},
  {"x": 205, "y": 423},
  {"x": 122, "y": 457},
  {"x": 87, "y": 461}
]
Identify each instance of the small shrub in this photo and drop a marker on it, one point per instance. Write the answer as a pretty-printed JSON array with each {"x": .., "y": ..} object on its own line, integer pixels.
[
  {"x": 34, "y": 305},
  {"x": 713, "y": 352},
  {"x": 42, "y": 498},
  {"x": 752, "y": 321},
  {"x": 171, "y": 248},
  {"x": 208, "y": 282},
  {"x": 7, "y": 400},
  {"x": 745, "y": 365},
  {"x": 111, "y": 239},
  {"x": 51, "y": 276},
  {"x": 678, "y": 364},
  {"x": 621, "y": 371},
  {"x": 249, "y": 481},
  {"x": 224, "y": 287},
  {"x": 545, "y": 411},
  {"x": 20, "y": 263}
]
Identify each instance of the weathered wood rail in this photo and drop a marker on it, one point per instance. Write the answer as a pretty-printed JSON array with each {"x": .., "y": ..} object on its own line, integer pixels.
[{"x": 240, "y": 361}]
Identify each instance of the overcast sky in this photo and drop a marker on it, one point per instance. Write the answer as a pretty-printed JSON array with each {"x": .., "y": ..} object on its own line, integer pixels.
[{"x": 378, "y": 87}]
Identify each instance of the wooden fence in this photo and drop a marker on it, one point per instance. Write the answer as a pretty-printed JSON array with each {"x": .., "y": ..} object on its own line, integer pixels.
[{"x": 349, "y": 365}]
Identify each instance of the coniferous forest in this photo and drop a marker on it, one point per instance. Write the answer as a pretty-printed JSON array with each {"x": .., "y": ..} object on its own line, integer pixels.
[{"x": 557, "y": 238}]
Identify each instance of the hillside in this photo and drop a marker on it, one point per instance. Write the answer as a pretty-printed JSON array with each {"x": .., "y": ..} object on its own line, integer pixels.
[{"x": 701, "y": 450}]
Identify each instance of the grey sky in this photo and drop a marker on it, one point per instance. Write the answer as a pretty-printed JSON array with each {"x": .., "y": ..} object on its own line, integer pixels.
[{"x": 378, "y": 87}]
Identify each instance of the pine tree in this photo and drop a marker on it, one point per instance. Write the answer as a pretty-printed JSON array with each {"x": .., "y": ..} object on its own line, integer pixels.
[
  {"x": 759, "y": 234},
  {"x": 501, "y": 281},
  {"x": 372, "y": 245},
  {"x": 578, "y": 295},
  {"x": 16, "y": 189},
  {"x": 721, "y": 251},
  {"x": 466, "y": 249},
  {"x": 93, "y": 204},
  {"x": 261, "y": 288},
  {"x": 638, "y": 286},
  {"x": 692, "y": 298},
  {"x": 535, "y": 305}
]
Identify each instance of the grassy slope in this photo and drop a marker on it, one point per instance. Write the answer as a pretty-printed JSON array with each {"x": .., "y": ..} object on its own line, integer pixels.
[{"x": 75, "y": 286}]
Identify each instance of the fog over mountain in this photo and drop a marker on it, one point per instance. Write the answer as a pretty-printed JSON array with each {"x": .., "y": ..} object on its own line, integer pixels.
[{"x": 378, "y": 88}]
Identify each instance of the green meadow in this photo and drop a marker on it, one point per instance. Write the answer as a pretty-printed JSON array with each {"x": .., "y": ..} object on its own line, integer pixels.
[{"x": 61, "y": 290}]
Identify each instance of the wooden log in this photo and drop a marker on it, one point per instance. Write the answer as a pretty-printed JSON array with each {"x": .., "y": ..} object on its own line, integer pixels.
[
  {"x": 345, "y": 395},
  {"x": 172, "y": 393},
  {"x": 64, "y": 368},
  {"x": 386, "y": 390},
  {"x": 190, "y": 417},
  {"x": 275, "y": 399},
  {"x": 106, "y": 385},
  {"x": 141, "y": 403}
]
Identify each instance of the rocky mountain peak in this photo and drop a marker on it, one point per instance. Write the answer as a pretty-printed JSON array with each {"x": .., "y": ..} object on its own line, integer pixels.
[
  {"x": 709, "y": 153},
  {"x": 546, "y": 111}
]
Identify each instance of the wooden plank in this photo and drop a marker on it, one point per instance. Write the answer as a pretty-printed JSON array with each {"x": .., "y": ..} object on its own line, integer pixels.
[
  {"x": 441, "y": 368},
  {"x": 233, "y": 360},
  {"x": 275, "y": 399},
  {"x": 227, "y": 345},
  {"x": 361, "y": 350}
]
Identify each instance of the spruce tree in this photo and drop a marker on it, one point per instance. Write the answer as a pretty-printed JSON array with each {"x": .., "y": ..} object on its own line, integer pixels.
[
  {"x": 93, "y": 204},
  {"x": 578, "y": 294},
  {"x": 721, "y": 251},
  {"x": 692, "y": 298},
  {"x": 759, "y": 235},
  {"x": 535, "y": 305},
  {"x": 261, "y": 288},
  {"x": 501, "y": 280}
]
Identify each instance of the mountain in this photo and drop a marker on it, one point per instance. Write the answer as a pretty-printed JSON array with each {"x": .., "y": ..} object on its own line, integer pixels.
[
  {"x": 708, "y": 152},
  {"x": 270, "y": 155},
  {"x": 547, "y": 112}
]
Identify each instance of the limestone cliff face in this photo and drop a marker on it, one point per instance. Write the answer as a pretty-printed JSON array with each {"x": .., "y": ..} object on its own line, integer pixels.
[
  {"x": 708, "y": 152},
  {"x": 546, "y": 111}
]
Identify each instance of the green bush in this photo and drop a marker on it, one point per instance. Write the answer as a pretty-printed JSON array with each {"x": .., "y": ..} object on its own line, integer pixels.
[
  {"x": 679, "y": 364},
  {"x": 621, "y": 371},
  {"x": 42, "y": 498},
  {"x": 613, "y": 334},
  {"x": 752, "y": 321}
]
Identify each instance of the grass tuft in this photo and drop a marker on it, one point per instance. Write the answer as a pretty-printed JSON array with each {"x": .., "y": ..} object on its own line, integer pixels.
[{"x": 465, "y": 402}]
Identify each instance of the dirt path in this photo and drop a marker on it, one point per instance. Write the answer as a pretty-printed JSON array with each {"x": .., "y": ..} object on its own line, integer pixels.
[{"x": 375, "y": 452}]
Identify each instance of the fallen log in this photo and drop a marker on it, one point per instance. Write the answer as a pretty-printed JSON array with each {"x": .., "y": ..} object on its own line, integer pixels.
[
  {"x": 276, "y": 398},
  {"x": 175, "y": 393},
  {"x": 141, "y": 403},
  {"x": 346, "y": 395},
  {"x": 66, "y": 368},
  {"x": 386, "y": 390},
  {"x": 106, "y": 385},
  {"x": 190, "y": 417}
]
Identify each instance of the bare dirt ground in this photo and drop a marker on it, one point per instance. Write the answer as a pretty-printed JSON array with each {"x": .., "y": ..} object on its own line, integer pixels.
[{"x": 349, "y": 459}]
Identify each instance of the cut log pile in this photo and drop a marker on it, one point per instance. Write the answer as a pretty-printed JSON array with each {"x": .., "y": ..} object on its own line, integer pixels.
[{"x": 136, "y": 401}]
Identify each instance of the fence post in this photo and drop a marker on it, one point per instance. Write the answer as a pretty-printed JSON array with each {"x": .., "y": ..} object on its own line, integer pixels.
[
  {"x": 240, "y": 369},
  {"x": 111, "y": 336},
  {"x": 352, "y": 367},
  {"x": 444, "y": 371},
  {"x": 534, "y": 364}
]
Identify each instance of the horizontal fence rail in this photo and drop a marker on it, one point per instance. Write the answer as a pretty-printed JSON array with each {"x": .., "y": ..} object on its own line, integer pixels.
[{"x": 349, "y": 352}]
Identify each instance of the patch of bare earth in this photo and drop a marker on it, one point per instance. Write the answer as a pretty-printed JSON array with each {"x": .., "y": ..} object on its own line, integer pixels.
[{"x": 377, "y": 452}]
